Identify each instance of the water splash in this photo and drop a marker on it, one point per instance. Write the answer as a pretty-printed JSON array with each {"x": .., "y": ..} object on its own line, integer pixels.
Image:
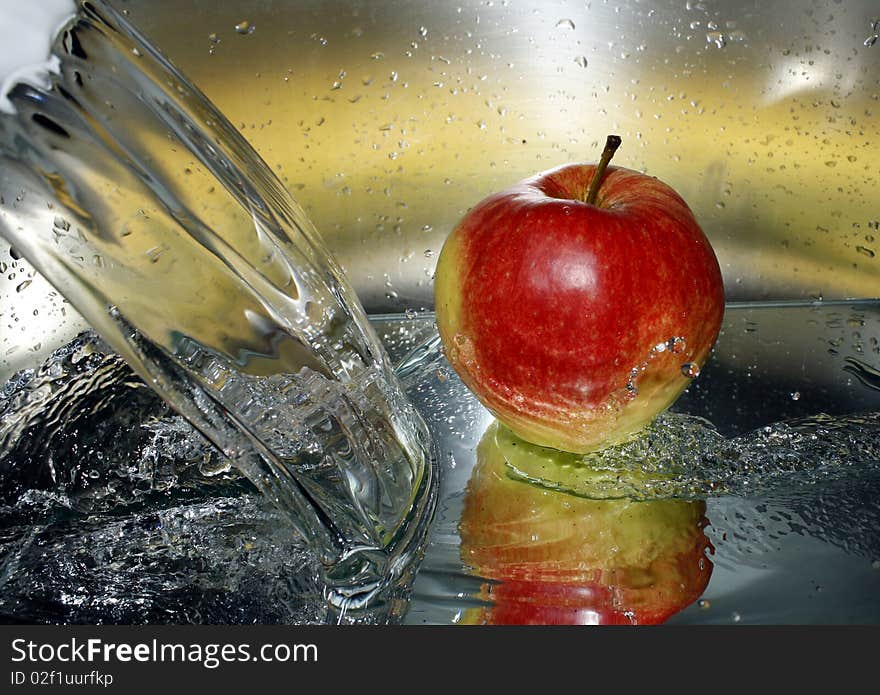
[
  {"x": 210, "y": 304},
  {"x": 113, "y": 508},
  {"x": 682, "y": 456}
]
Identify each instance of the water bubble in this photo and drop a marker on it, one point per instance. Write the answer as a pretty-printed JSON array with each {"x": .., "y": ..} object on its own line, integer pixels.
[
  {"x": 717, "y": 38},
  {"x": 154, "y": 253},
  {"x": 872, "y": 39},
  {"x": 691, "y": 370},
  {"x": 244, "y": 28},
  {"x": 676, "y": 345},
  {"x": 565, "y": 24}
]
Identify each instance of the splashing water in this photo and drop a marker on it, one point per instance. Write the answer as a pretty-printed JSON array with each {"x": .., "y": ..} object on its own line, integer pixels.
[
  {"x": 115, "y": 509},
  {"x": 146, "y": 209},
  {"x": 683, "y": 456}
]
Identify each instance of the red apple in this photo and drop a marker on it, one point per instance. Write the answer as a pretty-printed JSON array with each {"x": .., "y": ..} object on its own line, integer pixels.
[
  {"x": 556, "y": 558},
  {"x": 578, "y": 304}
]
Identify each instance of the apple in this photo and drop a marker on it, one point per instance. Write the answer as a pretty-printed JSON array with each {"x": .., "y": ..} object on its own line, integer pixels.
[
  {"x": 579, "y": 303},
  {"x": 556, "y": 558}
]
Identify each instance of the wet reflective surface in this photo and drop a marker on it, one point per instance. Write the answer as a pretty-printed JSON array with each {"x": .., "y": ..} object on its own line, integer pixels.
[
  {"x": 118, "y": 512},
  {"x": 388, "y": 123},
  {"x": 793, "y": 540}
]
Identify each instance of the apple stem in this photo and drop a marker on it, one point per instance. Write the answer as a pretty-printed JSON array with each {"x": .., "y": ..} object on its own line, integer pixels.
[{"x": 611, "y": 145}]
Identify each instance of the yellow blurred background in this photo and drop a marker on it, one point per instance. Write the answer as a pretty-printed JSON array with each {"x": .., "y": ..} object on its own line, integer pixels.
[{"x": 387, "y": 120}]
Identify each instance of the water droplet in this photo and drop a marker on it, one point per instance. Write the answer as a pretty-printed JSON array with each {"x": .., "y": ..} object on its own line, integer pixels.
[
  {"x": 23, "y": 286},
  {"x": 154, "y": 253},
  {"x": 717, "y": 38},
  {"x": 245, "y": 28},
  {"x": 676, "y": 345},
  {"x": 582, "y": 61},
  {"x": 865, "y": 251},
  {"x": 429, "y": 253},
  {"x": 61, "y": 223},
  {"x": 136, "y": 52},
  {"x": 736, "y": 617},
  {"x": 871, "y": 40},
  {"x": 410, "y": 313},
  {"x": 691, "y": 370},
  {"x": 795, "y": 395},
  {"x": 423, "y": 32},
  {"x": 565, "y": 24},
  {"x": 704, "y": 603}
]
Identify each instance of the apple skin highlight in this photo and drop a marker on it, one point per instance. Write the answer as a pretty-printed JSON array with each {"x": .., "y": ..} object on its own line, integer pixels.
[{"x": 576, "y": 324}]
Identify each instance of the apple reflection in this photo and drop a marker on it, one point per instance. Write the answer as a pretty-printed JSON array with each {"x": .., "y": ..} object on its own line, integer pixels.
[{"x": 550, "y": 557}]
